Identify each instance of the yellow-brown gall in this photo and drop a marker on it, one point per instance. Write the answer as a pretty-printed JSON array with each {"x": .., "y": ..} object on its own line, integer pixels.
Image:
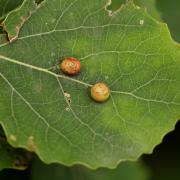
[
  {"x": 70, "y": 66},
  {"x": 100, "y": 92}
]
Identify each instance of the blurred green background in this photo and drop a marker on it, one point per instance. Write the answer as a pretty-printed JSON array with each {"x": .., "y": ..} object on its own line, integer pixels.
[{"x": 162, "y": 164}]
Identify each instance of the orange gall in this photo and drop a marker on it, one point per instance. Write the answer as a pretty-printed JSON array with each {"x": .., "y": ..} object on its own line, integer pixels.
[
  {"x": 100, "y": 92},
  {"x": 70, "y": 66}
]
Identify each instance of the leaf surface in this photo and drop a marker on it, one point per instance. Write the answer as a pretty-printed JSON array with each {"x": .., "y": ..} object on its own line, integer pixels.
[
  {"x": 15, "y": 19},
  {"x": 128, "y": 50},
  {"x": 149, "y": 5},
  {"x": 164, "y": 11},
  {"x": 3, "y": 38}
]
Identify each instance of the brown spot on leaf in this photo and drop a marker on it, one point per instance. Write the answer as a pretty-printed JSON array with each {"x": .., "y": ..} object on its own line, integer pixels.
[
  {"x": 23, "y": 19},
  {"x": 12, "y": 137},
  {"x": 31, "y": 144}
]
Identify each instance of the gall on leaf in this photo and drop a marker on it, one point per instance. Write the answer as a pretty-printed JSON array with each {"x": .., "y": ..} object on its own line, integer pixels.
[
  {"x": 100, "y": 92},
  {"x": 70, "y": 66}
]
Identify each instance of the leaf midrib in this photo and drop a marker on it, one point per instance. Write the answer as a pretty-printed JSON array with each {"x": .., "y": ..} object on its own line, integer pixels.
[
  {"x": 82, "y": 82},
  {"x": 43, "y": 70}
]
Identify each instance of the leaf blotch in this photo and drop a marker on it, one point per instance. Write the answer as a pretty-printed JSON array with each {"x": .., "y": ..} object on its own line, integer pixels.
[
  {"x": 31, "y": 144},
  {"x": 12, "y": 138}
]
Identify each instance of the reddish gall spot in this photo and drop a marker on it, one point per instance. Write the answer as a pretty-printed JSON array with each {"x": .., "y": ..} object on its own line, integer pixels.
[{"x": 70, "y": 66}]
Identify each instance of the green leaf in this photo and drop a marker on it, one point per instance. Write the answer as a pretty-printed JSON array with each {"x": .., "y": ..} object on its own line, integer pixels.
[
  {"x": 10, "y": 157},
  {"x": 8, "y": 5},
  {"x": 150, "y": 5},
  {"x": 165, "y": 11},
  {"x": 3, "y": 38},
  {"x": 128, "y": 50},
  {"x": 125, "y": 171},
  {"x": 15, "y": 19}
]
